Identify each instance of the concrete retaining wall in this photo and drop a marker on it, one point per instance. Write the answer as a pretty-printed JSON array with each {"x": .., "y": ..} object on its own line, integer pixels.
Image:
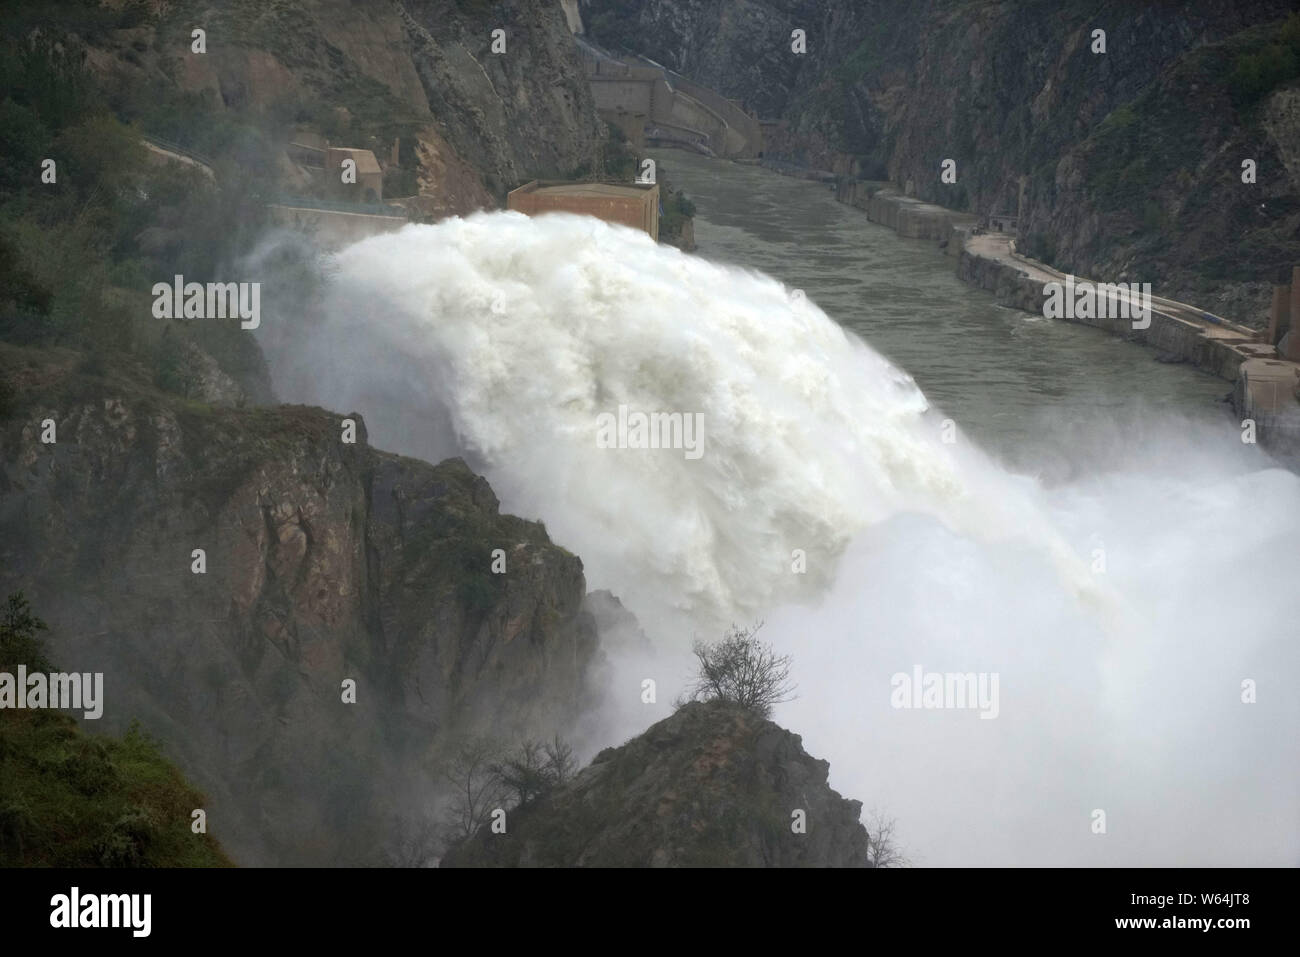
[
  {"x": 1174, "y": 337},
  {"x": 332, "y": 229},
  {"x": 744, "y": 134},
  {"x": 906, "y": 216},
  {"x": 622, "y": 96},
  {"x": 1019, "y": 282},
  {"x": 620, "y": 88}
]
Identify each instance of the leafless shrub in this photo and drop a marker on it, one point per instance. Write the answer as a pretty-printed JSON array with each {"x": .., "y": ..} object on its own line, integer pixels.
[
  {"x": 475, "y": 786},
  {"x": 743, "y": 670},
  {"x": 882, "y": 846}
]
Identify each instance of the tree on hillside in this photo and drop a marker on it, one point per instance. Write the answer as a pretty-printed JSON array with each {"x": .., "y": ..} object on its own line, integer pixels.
[
  {"x": 560, "y": 762},
  {"x": 475, "y": 787},
  {"x": 882, "y": 848},
  {"x": 20, "y": 640},
  {"x": 523, "y": 772},
  {"x": 534, "y": 767},
  {"x": 742, "y": 669},
  {"x": 483, "y": 776}
]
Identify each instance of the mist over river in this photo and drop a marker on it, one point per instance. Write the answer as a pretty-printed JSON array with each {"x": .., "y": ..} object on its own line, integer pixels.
[{"x": 1098, "y": 543}]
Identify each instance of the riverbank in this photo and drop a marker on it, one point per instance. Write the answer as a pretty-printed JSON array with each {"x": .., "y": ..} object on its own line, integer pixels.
[
  {"x": 1264, "y": 385},
  {"x": 1179, "y": 332}
]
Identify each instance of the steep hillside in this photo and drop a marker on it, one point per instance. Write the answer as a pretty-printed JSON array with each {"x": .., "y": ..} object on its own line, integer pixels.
[
  {"x": 326, "y": 562},
  {"x": 323, "y": 562},
  {"x": 415, "y": 81},
  {"x": 69, "y": 799},
  {"x": 711, "y": 786},
  {"x": 1130, "y": 159},
  {"x": 176, "y": 127}
]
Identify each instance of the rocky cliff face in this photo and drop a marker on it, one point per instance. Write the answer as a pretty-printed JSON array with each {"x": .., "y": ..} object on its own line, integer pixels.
[
  {"x": 415, "y": 76},
  {"x": 527, "y": 112},
  {"x": 711, "y": 786},
  {"x": 1130, "y": 160},
  {"x": 323, "y": 562}
]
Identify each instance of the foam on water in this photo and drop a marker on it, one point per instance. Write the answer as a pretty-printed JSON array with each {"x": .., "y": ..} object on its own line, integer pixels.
[{"x": 505, "y": 338}]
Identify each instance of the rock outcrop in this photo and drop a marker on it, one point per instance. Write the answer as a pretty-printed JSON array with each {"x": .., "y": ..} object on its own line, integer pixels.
[
  {"x": 322, "y": 562},
  {"x": 713, "y": 785}
]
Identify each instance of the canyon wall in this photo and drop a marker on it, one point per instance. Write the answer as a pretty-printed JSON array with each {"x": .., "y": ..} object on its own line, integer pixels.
[{"x": 1130, "y": 161}]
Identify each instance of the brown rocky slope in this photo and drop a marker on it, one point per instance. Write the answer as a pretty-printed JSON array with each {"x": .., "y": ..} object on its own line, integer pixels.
[{"x": 713, "y": 785}]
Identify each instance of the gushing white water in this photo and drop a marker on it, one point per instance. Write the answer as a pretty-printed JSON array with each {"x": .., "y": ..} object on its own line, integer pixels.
[
  {"x": 508, "y": 337},
  {"x": 526, "y": 331}
]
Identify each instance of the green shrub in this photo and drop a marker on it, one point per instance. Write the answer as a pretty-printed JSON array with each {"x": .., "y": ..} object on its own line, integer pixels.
[
  {"x": 20, "y": 636},
  {"x": 479, "y": 593},
  {"x": 71, "y": 799},
  {"x": 1256, "y": 73}
]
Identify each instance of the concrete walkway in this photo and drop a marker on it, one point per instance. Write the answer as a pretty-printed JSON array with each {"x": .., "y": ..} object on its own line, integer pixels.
[
  {"x": 1004, "y": 247},
  {"x": 1241, "y": 341},
  {"x": 1264, "y": 385},
  {"x": 173, "y": 154}
]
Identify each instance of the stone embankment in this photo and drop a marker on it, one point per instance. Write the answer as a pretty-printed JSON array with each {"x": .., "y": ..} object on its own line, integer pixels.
[{"x": 1264, "y": 383}]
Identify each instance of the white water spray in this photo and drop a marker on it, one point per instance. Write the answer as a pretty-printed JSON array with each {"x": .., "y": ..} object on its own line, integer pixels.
[{"x": 508, "y": 337}]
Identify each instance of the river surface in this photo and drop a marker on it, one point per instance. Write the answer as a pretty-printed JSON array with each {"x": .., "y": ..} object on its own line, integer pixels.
[{"x": 1008, "y": 378}]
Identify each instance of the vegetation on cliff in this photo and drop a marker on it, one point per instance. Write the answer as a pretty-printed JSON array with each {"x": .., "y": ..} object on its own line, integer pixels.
[
  {"x": 1144, "y": 173},
  {"x": 73, "y": 799},
  {"x": 1269, "y": 59},
  {"x": 86, "y": 238}
]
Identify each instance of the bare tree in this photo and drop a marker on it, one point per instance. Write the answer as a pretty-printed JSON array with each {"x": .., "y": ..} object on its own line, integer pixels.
[
  {"x": 523, "y": 772},
  {"x": 882, "y": 847},
  {"x": 742, "y": 669},
  {"x": 483, "y": 776},
  {"x": 560, "y": 762},
  {"x": 475, "y": 785},
  {"x": 534, "y": 767}
]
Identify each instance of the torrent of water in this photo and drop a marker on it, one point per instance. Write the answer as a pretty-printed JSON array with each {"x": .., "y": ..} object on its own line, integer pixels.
[{"x": 1122, "y": 608}]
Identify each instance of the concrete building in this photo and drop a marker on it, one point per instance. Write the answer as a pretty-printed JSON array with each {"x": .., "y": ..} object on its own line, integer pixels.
[
  {"x": 1283, "y": 328},
  {"x": 1266, "y": 391},
  {"x": 1003, "y": 223},
  {"x": 627, "y": 204},
  {"x": 369, "y": 187}
]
